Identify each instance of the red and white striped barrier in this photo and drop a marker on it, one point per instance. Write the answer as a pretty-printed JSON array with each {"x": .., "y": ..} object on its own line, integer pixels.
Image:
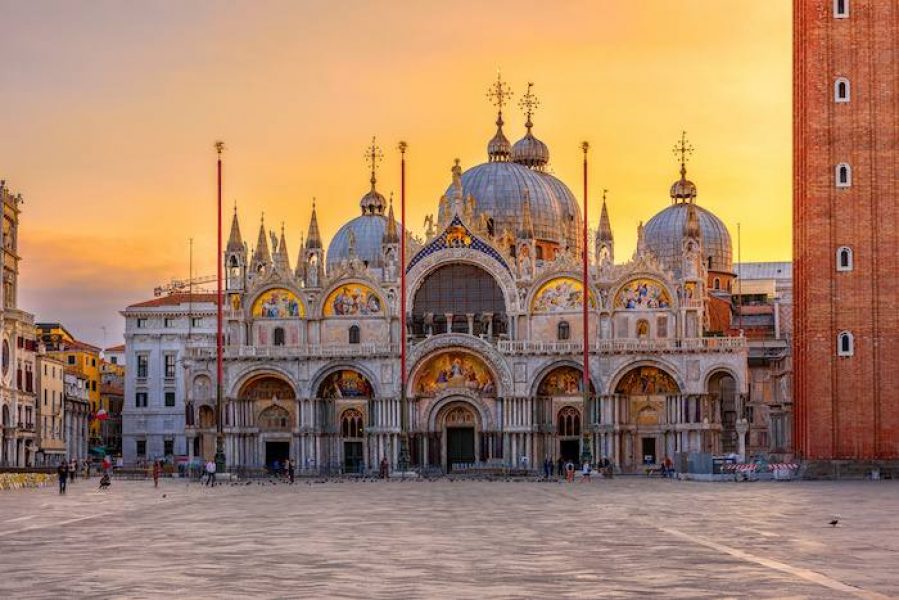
[
  {"x": 741, "y": 468},
  {"x": 783, "y": 466}
]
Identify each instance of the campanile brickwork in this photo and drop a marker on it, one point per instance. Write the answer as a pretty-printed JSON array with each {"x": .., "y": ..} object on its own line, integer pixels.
[{"x": 846, "y": 407}]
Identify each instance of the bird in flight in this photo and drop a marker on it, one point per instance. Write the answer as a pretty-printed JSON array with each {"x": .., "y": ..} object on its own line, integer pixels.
[{"x": 833, "y": 522}]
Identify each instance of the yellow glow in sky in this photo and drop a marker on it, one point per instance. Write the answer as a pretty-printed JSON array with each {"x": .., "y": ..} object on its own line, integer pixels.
[{"x": 111, "y": 111}]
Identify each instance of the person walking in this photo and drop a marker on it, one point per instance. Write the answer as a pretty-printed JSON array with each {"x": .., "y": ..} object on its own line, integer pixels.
[
  {"x": 290, "y": 470},
  {"x": 561, "y": 466},
  {"x": 156, "y": 470},
  {"x": 585, "y": 473},
  {"x": 547, "y": 468},
  {"x": 210, "y": 473},
  {"x": 384, "y": 468},
  {"x": 62, "y": 472},
  {"x": 569, "y": 471}
]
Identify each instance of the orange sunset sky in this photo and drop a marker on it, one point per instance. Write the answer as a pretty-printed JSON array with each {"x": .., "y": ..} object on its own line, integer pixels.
[{"x": 110, "y": 110}]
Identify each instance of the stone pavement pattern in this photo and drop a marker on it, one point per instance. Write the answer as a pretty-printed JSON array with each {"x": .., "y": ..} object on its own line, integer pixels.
[{"x": 625, "y": 538}]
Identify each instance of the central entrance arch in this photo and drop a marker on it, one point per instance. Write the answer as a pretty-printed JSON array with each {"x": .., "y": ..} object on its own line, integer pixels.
[{"x": 458, "y": 423}]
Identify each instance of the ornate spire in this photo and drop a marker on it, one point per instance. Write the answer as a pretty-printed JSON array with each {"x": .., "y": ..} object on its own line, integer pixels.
[
  {"x": 262, "y": 254},
  {"x": 605, "y": 225},
  {"x": 235, "y": 242},
  {"x": 527, "y": 226},
  {"x": 529, "y": 104},
  {"x": 372, "y": 203},
  {"x": 499, "y": 94},
  {"x": 529, "y": 151},
  {"x": 390, "y": 234},
  {"x": 313, "y": 238},
  {"x": 282, "y": 261},
  {"x": 683, "y": 189}
]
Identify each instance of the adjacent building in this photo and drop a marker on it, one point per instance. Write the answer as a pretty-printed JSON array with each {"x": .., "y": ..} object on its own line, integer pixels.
[
  {"x": 18, "y": 443},
  {"x": 763, "y": 313},
  {"x": 76, "y": 414},
  {"x": 846, "y": 203},
  {"x": 51, "y": 430},
  {"x": 157, "y": 335}
]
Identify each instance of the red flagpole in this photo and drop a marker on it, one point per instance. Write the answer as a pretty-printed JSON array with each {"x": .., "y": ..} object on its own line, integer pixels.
[
  {"x": 220, "y": 434},
  {"x": 404, "y": 427},
  {"x": 585, "y": 146}
]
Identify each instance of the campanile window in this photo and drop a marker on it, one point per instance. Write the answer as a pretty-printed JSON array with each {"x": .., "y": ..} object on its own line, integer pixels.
[
  {"x": 844, "y": 258},
  {"x": 841, "y": 9},
  {"x": 844, "y": 175},
  {"x": 841, "y": 90},
  {"x": 845, "y": 344}
]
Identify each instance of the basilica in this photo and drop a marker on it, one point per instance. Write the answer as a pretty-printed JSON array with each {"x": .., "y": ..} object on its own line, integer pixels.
[{"x": 494, "y": 330}]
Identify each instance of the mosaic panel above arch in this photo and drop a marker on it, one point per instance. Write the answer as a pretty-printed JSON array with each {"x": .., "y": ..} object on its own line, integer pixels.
[
  {"x": 647, "y": 381},
  {"x": 278, "y": 303},
  {"x": 561, "y": 294},
  {"x": 267, "y": 387},
  {"x": 353, "y": 299},
  {"x": 642, "y": 294},
  {"x": 345, "y": 383},
  {"x": 453, "y": 369},
  {"x": 563, "y": 381}
]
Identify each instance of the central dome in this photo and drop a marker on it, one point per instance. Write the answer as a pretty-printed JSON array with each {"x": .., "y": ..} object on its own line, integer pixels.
[{"x": 500, "y": 188}]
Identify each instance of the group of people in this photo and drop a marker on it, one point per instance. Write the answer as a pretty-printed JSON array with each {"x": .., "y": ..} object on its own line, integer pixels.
[
  {"x": 567, "y": 468},
  {"x": 286, "y": 469}
]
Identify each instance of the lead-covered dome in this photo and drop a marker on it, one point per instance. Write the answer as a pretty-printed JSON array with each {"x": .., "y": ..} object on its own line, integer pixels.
[
  {"x": 499, "y": 188},
  {"x": 664, "y": 233},
  {"x": 368, "y": 234}
]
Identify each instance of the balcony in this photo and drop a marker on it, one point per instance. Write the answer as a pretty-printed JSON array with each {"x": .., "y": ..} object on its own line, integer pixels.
[
  {"x": 625, "y": 346},
  {"x": 305, "y": 351}
]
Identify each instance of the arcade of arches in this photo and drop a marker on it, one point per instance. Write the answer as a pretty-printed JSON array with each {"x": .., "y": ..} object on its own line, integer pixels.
[{"x": 458, "y": 418}]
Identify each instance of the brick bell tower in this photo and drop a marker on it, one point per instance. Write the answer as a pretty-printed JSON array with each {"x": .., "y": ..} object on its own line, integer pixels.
[{"x": 846, "y": 229}]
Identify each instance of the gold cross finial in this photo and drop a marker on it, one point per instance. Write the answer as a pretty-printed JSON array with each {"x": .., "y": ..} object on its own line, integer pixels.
[
  {"x": 529, "y": 104},
  {"x": 219, "y": 146},
  {"x": 684, "y": 149},
  {"x": 373, "y": 158},
  {"x": 499, "y": 92},
  {"x": 604, "y": 192},
  {"x": 402, "y": 147}
]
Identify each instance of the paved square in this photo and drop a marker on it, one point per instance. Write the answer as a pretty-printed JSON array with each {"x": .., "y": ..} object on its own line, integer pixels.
[{"x": 624, "y": 538}]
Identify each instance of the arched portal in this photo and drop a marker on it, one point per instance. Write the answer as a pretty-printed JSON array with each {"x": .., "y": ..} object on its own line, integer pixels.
[
  {"x": 459, "y": 298},
  {"x": 352, "y": 431},
  {"x": 646, "y": 389},
  {"x": 459, "y": 426},
  {"x": 268, "y": 403},
  {"x": 723, "y": 392}
]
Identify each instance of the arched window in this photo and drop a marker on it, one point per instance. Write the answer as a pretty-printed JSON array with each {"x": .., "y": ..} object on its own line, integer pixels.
[
  {"x": 454, "y": 291},
  {"x": 840, "y": 9},
  {"x": 355, "y": 334},
  {"x": 351, "y": 424},
  {"x": 564, "y": 332},
  {"x": 844, "y": 175},
  {"x": 569, "y": 422},
  {"x": 709, "y": 267},
  {"x": 841, "y": 90},
  {"x": 845, "y": 344},
  {"x": 716, "y": 284},
  {"x": 279, "y": 336},
  {"x": 844, "y": 258}
]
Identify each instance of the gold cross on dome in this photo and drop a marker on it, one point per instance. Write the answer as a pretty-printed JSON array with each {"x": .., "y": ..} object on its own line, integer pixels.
[
  {"x": 529, "y": 102},
  {"x": 373, "y": 157},
  {"x": 683, "y": 148},
  {"x": 499, "y": 92}
]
